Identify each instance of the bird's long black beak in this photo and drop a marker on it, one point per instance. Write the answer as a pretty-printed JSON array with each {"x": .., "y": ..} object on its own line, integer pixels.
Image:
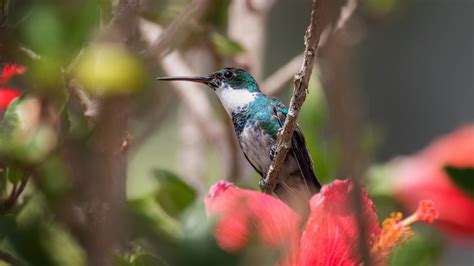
[{"x": 203, "y": 79}]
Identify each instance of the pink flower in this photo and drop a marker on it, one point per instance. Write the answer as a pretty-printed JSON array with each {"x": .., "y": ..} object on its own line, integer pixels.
[
  {"x": 421, "y": 176},
  {"x": 331, "y": 232},
  {"x": 8, "y": 94}
]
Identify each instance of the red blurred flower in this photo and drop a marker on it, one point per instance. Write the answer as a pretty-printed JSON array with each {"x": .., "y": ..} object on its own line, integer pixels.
[
  {"x": 331, "y": 233},
  {"x": 332, "y": 229},
  {"x": 8, "y": 94},
  {"x": 10, "y": 70},
  {"x": 245, "y": 213},
  {"x": 421, "y": 176}
]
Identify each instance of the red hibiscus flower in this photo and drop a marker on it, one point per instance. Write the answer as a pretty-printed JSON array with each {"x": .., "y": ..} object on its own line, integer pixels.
[
  {"x": 421, "y": 176},
  {"x": 8, "y": 94},
  {"x": 243, "y": 213},
  {"x": 331, "y": 232}
]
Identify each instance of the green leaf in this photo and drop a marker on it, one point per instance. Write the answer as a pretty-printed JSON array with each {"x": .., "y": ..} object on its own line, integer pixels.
[
  {"x": 150, "y": 217},
  {"x": 14, "y": 175},
  {"x": 226, "y": 46},
  {"x": 173, "y": 194},
  {"x": 463, "y": 177},
  {"x": 11, "y": 119}
]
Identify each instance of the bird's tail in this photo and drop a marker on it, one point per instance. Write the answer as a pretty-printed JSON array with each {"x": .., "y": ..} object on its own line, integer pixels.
[{"x": 296, "y": 192}]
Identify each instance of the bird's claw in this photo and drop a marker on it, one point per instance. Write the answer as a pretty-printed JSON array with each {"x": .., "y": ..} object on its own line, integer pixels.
[
  {"x": 263, "y": 184},
  {"x": 272, "y": 152}
]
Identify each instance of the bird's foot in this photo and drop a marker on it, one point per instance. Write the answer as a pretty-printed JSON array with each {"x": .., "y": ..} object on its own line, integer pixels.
[
  {"x": 263, "y": 184},
  {"x": 272, "y": 152}
]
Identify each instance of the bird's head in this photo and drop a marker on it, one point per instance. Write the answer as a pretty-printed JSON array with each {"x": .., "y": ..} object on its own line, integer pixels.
[
  {"x": 235, "y": 87},
  {"x": 225, "y": 79}
]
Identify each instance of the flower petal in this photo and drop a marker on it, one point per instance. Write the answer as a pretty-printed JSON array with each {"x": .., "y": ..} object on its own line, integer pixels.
[
  {"x": 421, "y": 177},
  {"x": 244, "y": 213},
  {"x": 10, "y": 70},
  {"x": 331, "y": 234},
  {"x": 6, "y": 96}
]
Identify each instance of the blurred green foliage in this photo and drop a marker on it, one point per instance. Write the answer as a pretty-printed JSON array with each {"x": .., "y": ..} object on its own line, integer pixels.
[
  {"x": 424, "y": 248},
  {"x": 109, "y": 69},
  {"x": 226, "y": 46},
  {"x": 462, "y": 177},
  {"x": 36, "y": 239},
  {"x": 24, "y": 137},
  {"x": 59, "y": 30},
  {"x": 314, "y": 124},
  {"x": 172, "y": 193}
]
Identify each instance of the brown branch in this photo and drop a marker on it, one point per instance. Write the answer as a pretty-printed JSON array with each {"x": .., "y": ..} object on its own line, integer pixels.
[
  {"x": 276, "y": 82},
  {"x": 194, "y": 97},
  {"x": 344, "y": 111},
  {"x": 312, "y": 36},
  {"x": 95, "y": 207},
  {"x": 10, "y": 202},
  {"x": 8, "y": 258},
  {"x": 4, "y": 5},
  {"x": 198, "y": 103},
  {"x": 247, "y": 24}
]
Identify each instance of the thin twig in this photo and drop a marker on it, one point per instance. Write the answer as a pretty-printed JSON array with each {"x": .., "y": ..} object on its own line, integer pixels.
[
  {"x": 88, "y": 104},
  {"x": 313, "y": 33},
  {"x": 276, "y": 82},
  {"x": 160, "y": 44},
  {"x": 30, "y": 53},
  {"x": 346, "y": 13}
]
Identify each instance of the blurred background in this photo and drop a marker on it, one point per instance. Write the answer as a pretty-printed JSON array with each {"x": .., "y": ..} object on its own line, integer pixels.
[{"x": 97, "y": 158}]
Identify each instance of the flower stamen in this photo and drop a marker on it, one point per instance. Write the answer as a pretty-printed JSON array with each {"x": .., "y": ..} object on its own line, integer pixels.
[
  {"x": 396, "y": 230},
  {"x": 425, "y": 212}
]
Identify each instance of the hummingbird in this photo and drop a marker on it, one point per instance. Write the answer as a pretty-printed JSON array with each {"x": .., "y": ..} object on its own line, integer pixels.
[{"x": 257, "y": 119}]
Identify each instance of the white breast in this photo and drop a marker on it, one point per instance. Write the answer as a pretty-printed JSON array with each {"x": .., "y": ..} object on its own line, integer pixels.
[
  {"x": 256, "y": 145},
  {"x": 235, "y": 98}
]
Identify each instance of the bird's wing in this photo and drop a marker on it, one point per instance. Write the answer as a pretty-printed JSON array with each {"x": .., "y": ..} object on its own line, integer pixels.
[
  {"x": 298, "y": 147},
  {"x": 250, "y": 162}
]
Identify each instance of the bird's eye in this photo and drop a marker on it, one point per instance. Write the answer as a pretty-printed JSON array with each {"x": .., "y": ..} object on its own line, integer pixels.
[{"x": 228, "y": 74}]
